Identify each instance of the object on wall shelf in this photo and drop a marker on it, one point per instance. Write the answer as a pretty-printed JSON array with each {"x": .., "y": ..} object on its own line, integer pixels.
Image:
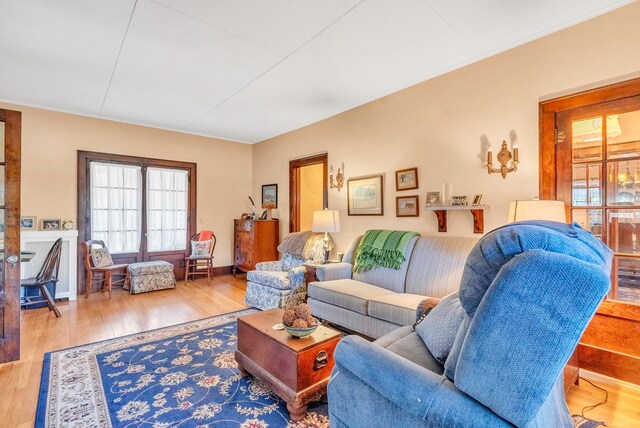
[
  {"x": 504, "y": 156},
  {"x": 339, "y": 178},
  {"x": 476, "y": 211},
  {"x": 40, "y": 242}
]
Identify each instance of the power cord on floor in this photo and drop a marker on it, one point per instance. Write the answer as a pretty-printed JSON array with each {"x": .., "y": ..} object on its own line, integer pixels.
[{"x": 589, "y": 408}]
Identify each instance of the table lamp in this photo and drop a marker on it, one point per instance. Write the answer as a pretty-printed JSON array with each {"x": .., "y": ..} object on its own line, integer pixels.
[
  {"x": 326, "y": 221},
  {"x": 537, "y": 210}
]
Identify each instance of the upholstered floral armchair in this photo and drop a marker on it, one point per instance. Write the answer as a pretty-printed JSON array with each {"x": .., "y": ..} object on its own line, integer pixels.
[{"x": 280, "y": 284}]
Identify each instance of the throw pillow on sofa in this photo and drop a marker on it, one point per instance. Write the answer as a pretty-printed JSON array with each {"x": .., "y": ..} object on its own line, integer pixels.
[{"x": 439, "y": 327}]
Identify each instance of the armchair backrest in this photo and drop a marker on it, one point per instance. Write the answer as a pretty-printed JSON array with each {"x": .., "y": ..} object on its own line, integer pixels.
[
  {"x": 529, "y": 290},
  {"x": 304, "y": 245}
]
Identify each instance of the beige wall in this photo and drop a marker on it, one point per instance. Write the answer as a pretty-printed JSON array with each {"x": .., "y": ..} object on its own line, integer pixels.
[
  {"x": 311, "y": 199},
  {"x": 439, "y": 125},
  {"x": 50, "y": 142}
]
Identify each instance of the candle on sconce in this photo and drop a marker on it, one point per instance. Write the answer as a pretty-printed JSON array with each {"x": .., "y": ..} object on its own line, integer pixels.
[
  {"x": 489, "y": 155},
  {"x": 515, "y": 152}
]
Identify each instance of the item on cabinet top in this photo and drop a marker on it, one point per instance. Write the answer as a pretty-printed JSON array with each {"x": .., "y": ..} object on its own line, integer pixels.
[
  {"x": 68, "y": 225},
  {"x": 28, "y": 223}
]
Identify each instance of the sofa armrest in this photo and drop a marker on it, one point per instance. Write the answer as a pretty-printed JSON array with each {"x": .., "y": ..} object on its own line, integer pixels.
[
  {"x": 331, "y": 271},
  {"x": 425, "y": 307},
  {"x": 272, "y": 266},
  {"x": 412, "y": 388},
  {"x": 296, "y": 276}
]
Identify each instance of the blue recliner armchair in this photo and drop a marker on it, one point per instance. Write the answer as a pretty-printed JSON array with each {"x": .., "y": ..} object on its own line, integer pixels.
[{"x": 490, "y": 355}]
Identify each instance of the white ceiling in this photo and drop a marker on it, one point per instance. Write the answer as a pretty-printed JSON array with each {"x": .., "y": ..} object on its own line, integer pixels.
[{"x": 247, "y": 70}]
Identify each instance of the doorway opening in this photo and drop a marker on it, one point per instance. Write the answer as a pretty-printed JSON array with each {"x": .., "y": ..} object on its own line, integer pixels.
[{"x": 307, "y": 190}]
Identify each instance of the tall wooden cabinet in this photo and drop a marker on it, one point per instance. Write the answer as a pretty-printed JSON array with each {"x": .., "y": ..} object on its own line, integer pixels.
[{"x": 254, "y": 241}]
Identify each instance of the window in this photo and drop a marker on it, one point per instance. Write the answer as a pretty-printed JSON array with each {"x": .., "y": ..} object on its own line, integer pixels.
[
  {"x": 116, "y": 206},
  {"x": 167, "y": 197},
  {"x": 144, "y": 209}
]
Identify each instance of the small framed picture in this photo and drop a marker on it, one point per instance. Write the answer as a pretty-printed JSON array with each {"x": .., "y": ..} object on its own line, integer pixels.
[
  {"x": 407, "y": 179},
  {"x": 270, "y": 195},
  {"x": 459, "y": 201},
  {"x": 407, "y": 206},
  {"x": 365, "y": 195},
  {"x": 28, "y": 223},
  {"x": 51, "y": 224},
  {"x": 477, "y": 199},
  {"x": 433, "y": 199}
]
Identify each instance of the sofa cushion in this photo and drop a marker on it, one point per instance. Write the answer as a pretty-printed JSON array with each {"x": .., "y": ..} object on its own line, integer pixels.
[
  {"x": 438, "y": 329},
  {"x": 406, "y": 343},
  {"x": 399, "y": 308},
  {"x": 273, "y": 279},
  {"x": 436, "y": 265},
  {"x": 388, "y": 278},
  {"x": 346, "y": 293}
]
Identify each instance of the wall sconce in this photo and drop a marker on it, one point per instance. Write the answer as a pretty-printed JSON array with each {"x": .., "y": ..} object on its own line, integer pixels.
[
  {"x": 339, "y": 178},
  {"x": 504, "y": 156}
]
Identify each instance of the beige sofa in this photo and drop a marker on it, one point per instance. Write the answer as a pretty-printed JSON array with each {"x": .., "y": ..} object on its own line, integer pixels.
[{"x": 379, "y": 301}]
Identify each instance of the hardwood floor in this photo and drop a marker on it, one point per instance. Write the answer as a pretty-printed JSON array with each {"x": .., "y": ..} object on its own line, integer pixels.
[{"x": 84, "y": 321}]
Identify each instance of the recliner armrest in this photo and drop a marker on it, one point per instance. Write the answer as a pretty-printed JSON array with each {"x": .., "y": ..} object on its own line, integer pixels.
[
  {"x": 412, "y": 388},
  {"x": 332, "y": 271}
]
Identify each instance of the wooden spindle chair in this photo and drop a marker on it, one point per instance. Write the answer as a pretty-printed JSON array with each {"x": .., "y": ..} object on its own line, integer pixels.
[
  {"x": 48, "y": 274},
  {"x": 193, "y": 265},
  {"x": 106, "y": 272}
]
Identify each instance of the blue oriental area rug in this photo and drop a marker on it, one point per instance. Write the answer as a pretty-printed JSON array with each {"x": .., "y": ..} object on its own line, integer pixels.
[{"x": 178, "y": 376}]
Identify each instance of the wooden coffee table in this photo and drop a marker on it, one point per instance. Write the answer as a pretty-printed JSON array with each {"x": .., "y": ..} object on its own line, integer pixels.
[{"x": 297, "y": 370}]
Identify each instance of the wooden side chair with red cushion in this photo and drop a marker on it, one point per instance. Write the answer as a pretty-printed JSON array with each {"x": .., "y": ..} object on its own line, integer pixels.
[
  {"x": 98, "y": 260},
  {"x": 200, "y": 260}
]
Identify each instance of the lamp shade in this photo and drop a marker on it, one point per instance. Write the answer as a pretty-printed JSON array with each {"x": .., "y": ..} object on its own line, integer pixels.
[
  {"x": 537, "y": 210},
  {"x": 326, "y": 221}
]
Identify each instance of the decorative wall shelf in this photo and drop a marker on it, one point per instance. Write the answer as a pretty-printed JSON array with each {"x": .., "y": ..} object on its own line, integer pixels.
[{"x": 477, "y": 211}]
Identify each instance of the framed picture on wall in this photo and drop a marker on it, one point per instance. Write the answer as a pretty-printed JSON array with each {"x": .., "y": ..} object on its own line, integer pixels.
[
  {"x": 365, "y": 195},
  {"x": 407, "y": 179},
  {"x": 270, "y": 194},
  {"x": 28, "y": 223},
  {"x": 407, "y": 206},
  {"x": 51, "y": 224}
]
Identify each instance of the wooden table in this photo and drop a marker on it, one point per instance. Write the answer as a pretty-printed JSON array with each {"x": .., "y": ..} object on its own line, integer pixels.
[{"x": 297, "y": 370}]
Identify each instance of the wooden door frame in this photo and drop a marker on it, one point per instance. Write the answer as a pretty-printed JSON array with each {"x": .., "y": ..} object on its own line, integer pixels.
[
  {"x": 294, "y": 185},
  {"x": 84, "y": 218},
  {"x": 592, "y": 352},
  {"x": 10, "y": 295}
]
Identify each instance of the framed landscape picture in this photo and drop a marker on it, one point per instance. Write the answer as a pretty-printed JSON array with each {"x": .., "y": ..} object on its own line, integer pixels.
[
  {"x": 365, "y": 195},
  {"x": 270, "y": 194},
  {"x": 407, "y": 179},
  {"x": 407, "y": 206},
  {"x": 28, "y": 223}
]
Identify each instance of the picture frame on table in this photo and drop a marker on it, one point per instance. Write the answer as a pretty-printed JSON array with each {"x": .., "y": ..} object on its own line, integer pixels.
[
  {"x": 365, "y": 195},
  {"x": 406, "y": 179},
  {"x": 28, "y": 223},
  {"x": 51, "y": 224},
  {"x": 407, "y": 206},
  {"x": 270, "y": 194}
]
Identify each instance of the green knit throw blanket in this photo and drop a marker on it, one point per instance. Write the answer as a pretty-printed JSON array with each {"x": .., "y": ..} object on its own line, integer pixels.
[{"x": 382, "y": 248}]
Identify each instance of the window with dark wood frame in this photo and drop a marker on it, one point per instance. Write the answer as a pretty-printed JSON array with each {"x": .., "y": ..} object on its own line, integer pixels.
[
  {"x": 176, "y": 257},
  {"x": 590, "y": 159}
]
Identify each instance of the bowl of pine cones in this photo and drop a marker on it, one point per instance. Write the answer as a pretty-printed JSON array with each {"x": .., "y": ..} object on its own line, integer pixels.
[{"x": 299, "y": 322}]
